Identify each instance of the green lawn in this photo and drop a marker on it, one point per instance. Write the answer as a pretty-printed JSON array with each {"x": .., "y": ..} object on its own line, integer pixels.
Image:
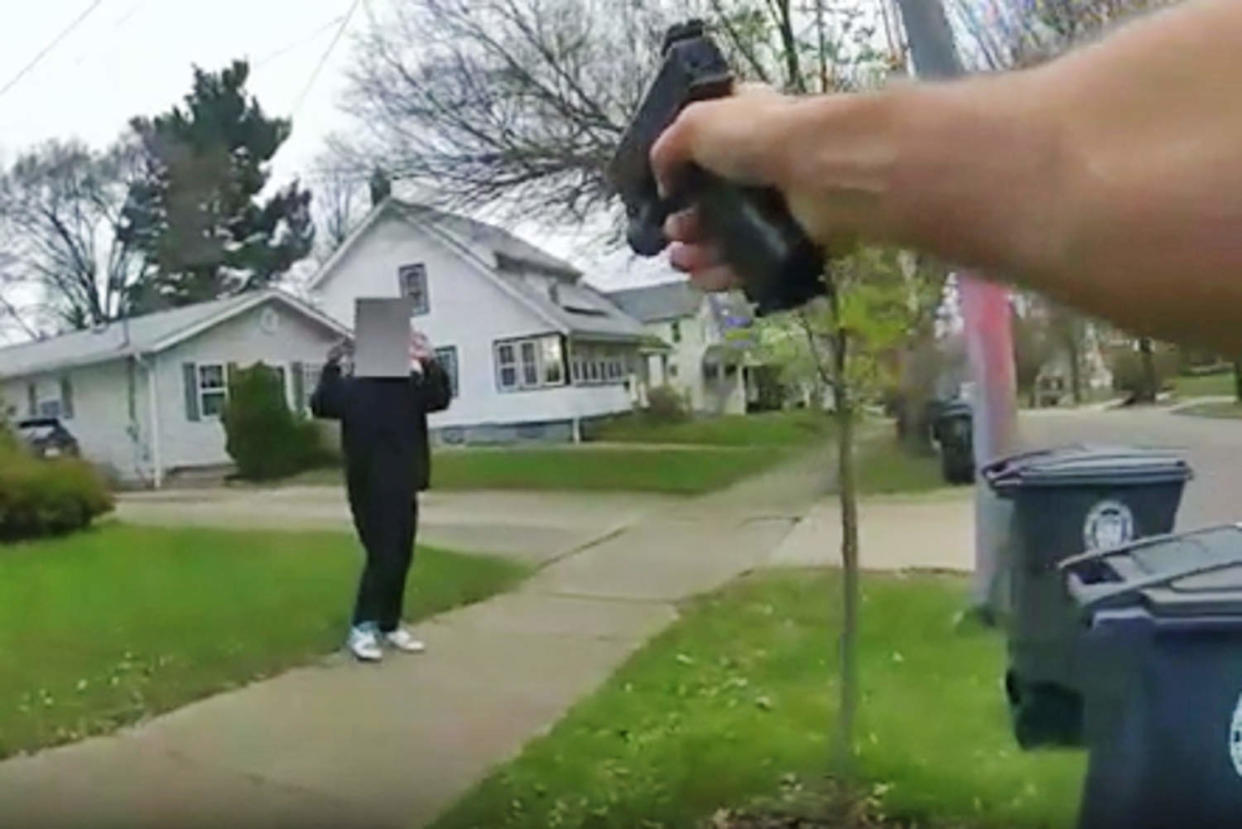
[
  {"x": 793, "y": 428},
  {"x": 1217, "y": 410},
  {"x": 675, "y": 470},
  {"x": 885, "y": 468},
  {"x": 735, "y": 702},
  {"x": 1207, "y": 385},
  {"x": 101, "y": 628}
]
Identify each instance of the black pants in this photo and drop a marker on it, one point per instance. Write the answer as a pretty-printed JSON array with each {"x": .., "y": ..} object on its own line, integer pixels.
[{"x": 387, "y": 522}]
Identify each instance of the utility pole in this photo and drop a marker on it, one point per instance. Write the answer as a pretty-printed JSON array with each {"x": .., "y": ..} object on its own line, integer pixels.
[{"x": 989, "y": 338}]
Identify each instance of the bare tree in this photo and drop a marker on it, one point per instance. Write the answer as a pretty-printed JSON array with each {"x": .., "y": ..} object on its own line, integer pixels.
[
  {"x": 60, "y": 214},
  {"x": 523, "y": 102},
  {"x": 340, "y": 205},
  {"x": 1007, "y": 34}
]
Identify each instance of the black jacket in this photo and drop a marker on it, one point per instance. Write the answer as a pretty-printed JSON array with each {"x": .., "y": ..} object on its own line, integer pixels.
[{"x": 384, "y": 423}]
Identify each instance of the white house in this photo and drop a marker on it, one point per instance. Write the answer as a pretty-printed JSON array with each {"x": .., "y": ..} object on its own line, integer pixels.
[
  {"x": 143, "y": 397},
  {"x": 711, "y": 368},
  {"x": 532, "y": 349}
]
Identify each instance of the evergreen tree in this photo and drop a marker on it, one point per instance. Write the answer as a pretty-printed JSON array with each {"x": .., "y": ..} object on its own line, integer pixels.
[{"x": 195, "y": 212}]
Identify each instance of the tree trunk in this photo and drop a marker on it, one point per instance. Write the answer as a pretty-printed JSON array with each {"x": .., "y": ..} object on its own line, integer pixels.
[
  {"x": 1075, "y": 361},
  {"x": 844, "y": 748},
  {"x": 1148, "y": 390}
]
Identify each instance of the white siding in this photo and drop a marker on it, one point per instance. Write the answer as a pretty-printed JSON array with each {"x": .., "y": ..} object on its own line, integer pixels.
[
  {"x": 468, "y": 310},
  {"x": 243, "y": 341},
  {"x": 101, "y": 414},
  {"x": 726, "y": 395}
]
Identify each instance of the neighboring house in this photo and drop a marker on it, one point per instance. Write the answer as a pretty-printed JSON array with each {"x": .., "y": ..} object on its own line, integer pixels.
[
  {"x": 710, "y": 366},
  {"x": 143, "y": 396},
  {"x": 1054, "y": 384},
  {"x": 533, "y": 350}
]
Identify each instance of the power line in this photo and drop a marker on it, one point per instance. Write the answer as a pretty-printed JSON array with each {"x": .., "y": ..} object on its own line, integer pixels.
[
  {"x": 326, "y": 54},
  {"x": 289, "y": 47},
  {"x": 48, "y": 48}
]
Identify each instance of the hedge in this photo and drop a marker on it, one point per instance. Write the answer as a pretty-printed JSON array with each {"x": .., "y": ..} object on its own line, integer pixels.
[{"x": 47, "y": 497}]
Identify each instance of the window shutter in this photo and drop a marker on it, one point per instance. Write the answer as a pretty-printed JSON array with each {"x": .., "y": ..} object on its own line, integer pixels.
[
  {"x": 66, "y": 397},
  {"x": 299, "y": 386},
  {"x": 32, "y": 400},
  {"x": 189, "y": 373}
]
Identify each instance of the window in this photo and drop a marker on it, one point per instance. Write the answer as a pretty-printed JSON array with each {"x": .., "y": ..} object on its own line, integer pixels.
[
  {"x": 413, "y": 284},
  {"x": 672, "y": 370},
  {"x": 49, "y": 408},
  {"x": 530, "y": 364},
  {"x": 212, "y": 389},
  {"x": 283, "y": 376},
  {"x": 447, "y": 358},
  {"x": 674, "y": 330},
  {"x": 553, "y": 361},
  {"x": 310, "y": 381},
  {"x": 506, "y": 366},
  {"x": 535, "y": 363}
]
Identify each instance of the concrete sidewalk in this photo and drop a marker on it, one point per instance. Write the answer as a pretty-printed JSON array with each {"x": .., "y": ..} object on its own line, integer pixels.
[
  {"x": 934, "y": 531},
  {"x": 341, "y": 744}
]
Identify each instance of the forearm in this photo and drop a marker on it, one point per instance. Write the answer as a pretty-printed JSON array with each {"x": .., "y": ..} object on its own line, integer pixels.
[{"x": 1111, "y": 179}]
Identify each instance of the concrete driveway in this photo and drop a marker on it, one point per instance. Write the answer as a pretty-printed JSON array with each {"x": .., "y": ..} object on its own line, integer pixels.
[{"x": 533, "y": 527}]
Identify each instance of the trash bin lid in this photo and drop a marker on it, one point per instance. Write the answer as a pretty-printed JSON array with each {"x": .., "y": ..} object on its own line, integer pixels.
[
  {"x": 1192, "y": 574},
  {"x": 954, "y": 408},
  {"x": 1086, "y": 464}
]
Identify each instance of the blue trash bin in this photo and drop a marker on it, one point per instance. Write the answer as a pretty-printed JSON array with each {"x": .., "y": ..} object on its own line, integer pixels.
[{"x": 1162, "y": 636}]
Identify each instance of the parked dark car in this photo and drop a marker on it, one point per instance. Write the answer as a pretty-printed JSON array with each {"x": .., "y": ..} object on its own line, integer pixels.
[{"x": 47, "y": 437}]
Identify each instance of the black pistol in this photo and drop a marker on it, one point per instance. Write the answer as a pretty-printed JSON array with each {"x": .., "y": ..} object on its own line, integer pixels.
[{"x": 779, "y": 266}]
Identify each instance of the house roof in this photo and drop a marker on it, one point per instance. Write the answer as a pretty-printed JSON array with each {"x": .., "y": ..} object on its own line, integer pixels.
[
  {"x": 549, "y": 286},
  {"x": 663, "y": 301},
  {"x": 150, "y": 333}
]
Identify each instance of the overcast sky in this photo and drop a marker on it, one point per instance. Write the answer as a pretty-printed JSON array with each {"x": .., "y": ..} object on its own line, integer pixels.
[{"x": 131, "y": 57}]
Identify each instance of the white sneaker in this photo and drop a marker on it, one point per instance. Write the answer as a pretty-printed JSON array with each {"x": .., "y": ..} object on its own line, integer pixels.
[
  {"x": 403, "y": 640},
  {"x": 364, "y": 644}
]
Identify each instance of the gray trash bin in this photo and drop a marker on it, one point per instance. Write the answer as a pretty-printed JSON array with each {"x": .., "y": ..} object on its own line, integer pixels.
[
  {"x": 953, "y": 429},
  {"x": 1163, "y": 638},
  {"x": 1067, "y": 501}
]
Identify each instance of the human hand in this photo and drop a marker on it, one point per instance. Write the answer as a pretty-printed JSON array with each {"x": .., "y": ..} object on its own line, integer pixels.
[
  {"x": 756, "y": 137},
  {"x": 340, "y": 351},
  {"x": 421, "y": 351}
]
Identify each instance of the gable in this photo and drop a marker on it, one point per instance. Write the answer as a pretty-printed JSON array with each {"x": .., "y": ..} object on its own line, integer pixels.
[{"x": 460, "y": 286}]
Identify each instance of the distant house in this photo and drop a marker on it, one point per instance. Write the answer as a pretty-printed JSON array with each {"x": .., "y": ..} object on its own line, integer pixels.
[
  {"x": 532, "y": 349},
  {"x": 708, "y": 362},
  {"x": 143, "y": 397}
]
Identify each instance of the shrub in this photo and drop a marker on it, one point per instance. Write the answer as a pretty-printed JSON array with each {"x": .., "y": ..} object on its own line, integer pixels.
[
  {"x": 47, "y": 497},
  {"x": 263, "y": 437},
  {"x": 666, "y": 405}
]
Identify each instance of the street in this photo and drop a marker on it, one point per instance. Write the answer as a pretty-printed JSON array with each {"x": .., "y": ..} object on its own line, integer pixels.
[{"x": 1213, "y": 447}]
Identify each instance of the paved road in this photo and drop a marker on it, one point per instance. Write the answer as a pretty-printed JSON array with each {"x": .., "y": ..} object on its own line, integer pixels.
[
  {"x": 1212, "y": 446},
  {"x": 936, "y": 530}
]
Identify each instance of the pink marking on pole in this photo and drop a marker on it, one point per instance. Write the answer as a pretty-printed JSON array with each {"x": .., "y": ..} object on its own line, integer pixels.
[{"x": 989, "y": 344}]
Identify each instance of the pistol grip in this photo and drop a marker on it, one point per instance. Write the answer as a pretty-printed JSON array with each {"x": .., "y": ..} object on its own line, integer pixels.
[{"x": 779, "y": 266}]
